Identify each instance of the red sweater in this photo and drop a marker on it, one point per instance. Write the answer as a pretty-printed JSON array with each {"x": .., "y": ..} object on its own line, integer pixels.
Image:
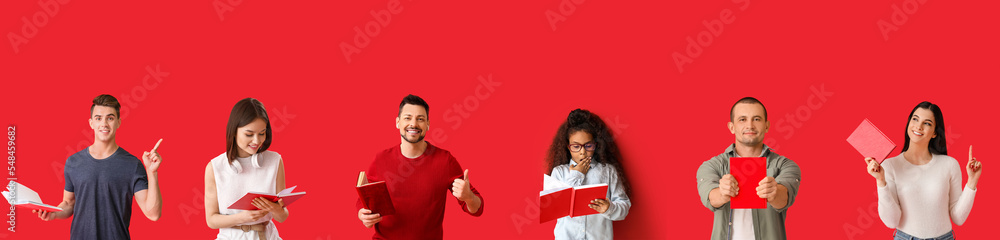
[{"x": 419, "y": 188}]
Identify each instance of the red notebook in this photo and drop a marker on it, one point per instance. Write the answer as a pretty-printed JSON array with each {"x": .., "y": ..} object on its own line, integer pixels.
[
  {"x": 561, "y": 200},
  {"x": 871, "y": 142},
  {"x": 748, "y": 172},
  {"x": 246, "y": 202},
  {"x": 375, "y": 196},
  {"x": 21, "y": 196}
]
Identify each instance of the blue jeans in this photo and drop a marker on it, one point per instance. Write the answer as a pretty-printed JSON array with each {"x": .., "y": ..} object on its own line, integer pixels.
[{"x": 900, "y": 235}]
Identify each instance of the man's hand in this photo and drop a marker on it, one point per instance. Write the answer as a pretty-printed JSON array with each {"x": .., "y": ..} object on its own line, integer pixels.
[
  {"x": 767, "y": 188},
  {"x": 44, "y": 215},
  {"x": 367, "y": 218},
  {"x": 728, "y": 187},
  {"x": 462, "y": 189},
  {"x": 152, "y": 158}
]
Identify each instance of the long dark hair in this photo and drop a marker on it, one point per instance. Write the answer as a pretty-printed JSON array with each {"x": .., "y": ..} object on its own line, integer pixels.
[
  {"x": 245, "y": 112},
  {"x": 937, "y": 144},
  {"x": 606, "y": 152}
]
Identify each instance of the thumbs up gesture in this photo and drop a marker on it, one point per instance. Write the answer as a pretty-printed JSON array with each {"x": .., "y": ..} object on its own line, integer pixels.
[
  {"x": 152, "y": 158},
  {"x": 462, "y": 189}
]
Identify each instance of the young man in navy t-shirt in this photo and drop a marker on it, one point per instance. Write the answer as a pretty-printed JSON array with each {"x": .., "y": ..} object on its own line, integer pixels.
[{"x": 102, "y": 180}]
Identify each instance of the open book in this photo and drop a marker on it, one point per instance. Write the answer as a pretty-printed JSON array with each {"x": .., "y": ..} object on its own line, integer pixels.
[
  {"x": 375, "y": 196},
  {"x": 871, "y": 142},
  {"x": 560, "y": 200},
  {"x": 748, "y": 172},
  {"x": 22, "y": 196},
  {"x": 246, "y": 202}
]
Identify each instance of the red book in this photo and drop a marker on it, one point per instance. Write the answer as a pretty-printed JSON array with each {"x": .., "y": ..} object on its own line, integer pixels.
[
  {"x": 246, "y": 202},
  {"x": 375, "y": 196},
  {"x": 748, "y": 172},
  {"x": 561, "y": 200},
  {"x": 871, "y": 142},
  {"x": 21, "y": 196}
]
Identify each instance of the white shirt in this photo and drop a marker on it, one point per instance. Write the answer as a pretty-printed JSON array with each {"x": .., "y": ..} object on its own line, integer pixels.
[
  {"x": 596, "y": 226},
  {"x": 256, "y": 173},
  {"x": 923, "y": 200}
]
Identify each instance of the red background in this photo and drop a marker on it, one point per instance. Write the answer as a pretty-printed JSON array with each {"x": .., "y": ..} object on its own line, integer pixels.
[{"x": 614, "y": 58}]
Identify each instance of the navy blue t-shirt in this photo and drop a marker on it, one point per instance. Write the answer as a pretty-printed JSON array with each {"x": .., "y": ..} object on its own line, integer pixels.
[{"x": 103, "y": 190}]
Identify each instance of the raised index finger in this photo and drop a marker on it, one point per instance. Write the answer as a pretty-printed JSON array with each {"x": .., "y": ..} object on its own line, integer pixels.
[
  {"x": 157, "y": 145},
  {"x": 970, "y": 152}
]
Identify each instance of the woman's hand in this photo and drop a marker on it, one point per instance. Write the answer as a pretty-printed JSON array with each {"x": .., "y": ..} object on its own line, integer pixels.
[
  {"x": 876, "y": 170},
  {"x": 268, "y": 206},
  {"x": 974, "y": 168},
  {"x": 250, "y": 216}
]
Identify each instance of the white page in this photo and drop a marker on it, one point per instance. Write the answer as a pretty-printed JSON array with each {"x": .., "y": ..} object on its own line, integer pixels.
[
  {"x": 22, "y": 193},
  {"x": 551, "y": 185}
]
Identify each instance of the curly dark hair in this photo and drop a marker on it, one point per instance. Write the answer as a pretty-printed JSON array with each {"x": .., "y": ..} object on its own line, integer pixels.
[{"x": 606, "y": 152}]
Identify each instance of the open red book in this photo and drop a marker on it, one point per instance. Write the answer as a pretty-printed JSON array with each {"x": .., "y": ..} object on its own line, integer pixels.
[
  {"x": 748, "y": 172},
  {"x": 246, "y": 202},
  {"x": 871, "y": 142},
  {"x": 21, "y": 196},
  {"x": 560, "y": 200},
  {"x": 375, "y": 196}
]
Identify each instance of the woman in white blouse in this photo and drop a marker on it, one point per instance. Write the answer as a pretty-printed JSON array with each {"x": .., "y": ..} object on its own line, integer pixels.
[
  {"x": 246, "y": 166},
  {"x": 920, "y": 191}
]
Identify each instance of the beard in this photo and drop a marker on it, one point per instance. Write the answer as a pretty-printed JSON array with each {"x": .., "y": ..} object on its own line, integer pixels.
[{"x": 419, "y": 138}]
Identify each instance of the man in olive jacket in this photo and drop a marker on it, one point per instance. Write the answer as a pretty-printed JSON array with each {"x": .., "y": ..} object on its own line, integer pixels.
[{"x": 748, "y": 122}]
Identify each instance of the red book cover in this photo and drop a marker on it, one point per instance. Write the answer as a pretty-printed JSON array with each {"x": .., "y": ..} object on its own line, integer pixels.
[
  {"x": 554, "y": 205},
  {"x": 871, "y": 142},
  {"x": 583, "y": 195},
  {"x": 39, "y": 206},
  {"x": 560, "y": 200},
  {"x": 375, "y": 196},
  {"x": 748, "y": 172},
  {"x": 245, "y": 203}
]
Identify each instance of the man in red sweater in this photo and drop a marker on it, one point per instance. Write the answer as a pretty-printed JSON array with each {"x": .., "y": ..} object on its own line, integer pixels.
[{"x": 417, "y": 173}]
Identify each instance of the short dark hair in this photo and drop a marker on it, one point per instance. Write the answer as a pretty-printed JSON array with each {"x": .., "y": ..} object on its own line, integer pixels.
[
  {"x": 245, "y": 112},
  {"x": 414, "y": 100},
  {"x": 937, "y": 144},
  {"x": 106, "y": 100},
  {"x": 749, "y": 100}
]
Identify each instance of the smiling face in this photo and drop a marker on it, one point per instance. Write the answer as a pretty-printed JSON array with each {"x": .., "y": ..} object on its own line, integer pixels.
[
  {"x": 250, "y": 137},
  {"x": 105, "y": 122},
  {"x": 749, "y": 124},
  {"x": 412, "y": 123},
  {"x": 578, "y": 141},
  {"x": 921, "y": 127}
]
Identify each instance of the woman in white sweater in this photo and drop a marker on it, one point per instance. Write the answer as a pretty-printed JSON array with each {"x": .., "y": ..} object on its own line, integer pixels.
[{"x": 920, "y": 190}]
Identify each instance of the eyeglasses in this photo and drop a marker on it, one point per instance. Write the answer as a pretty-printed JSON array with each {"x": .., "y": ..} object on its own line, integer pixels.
[{"x": 591, "y": 146}]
